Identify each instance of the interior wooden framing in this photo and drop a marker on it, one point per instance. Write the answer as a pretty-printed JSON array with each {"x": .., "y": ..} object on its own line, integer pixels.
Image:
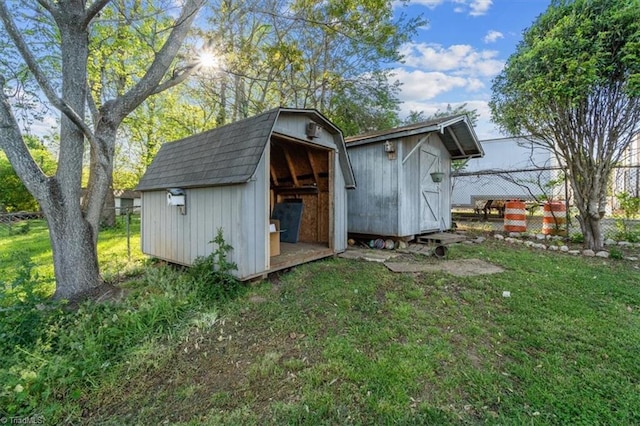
[{"x": 303, "y": 171}]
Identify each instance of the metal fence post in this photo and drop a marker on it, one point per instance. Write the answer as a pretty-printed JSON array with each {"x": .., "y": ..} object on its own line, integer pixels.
[{"x": 128, "y": 234}]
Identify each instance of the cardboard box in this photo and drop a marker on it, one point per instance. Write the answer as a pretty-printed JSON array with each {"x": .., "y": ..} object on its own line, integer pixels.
[{"x": 274, "y": 237}]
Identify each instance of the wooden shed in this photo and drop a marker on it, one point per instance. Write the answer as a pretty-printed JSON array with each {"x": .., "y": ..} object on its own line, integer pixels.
[
  {"x": 281, "y": 175},
  {"x": 404, "y": 176}
]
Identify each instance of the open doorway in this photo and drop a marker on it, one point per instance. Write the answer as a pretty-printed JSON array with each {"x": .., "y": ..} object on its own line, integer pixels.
[{"x": 301, "y": 194}]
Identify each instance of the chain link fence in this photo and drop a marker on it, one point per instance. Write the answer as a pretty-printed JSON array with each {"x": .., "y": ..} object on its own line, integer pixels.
[
  {"x": 478, "y": 199},
  {"x": 16, "y": 223},
  {"x": 126, "y": 226}
]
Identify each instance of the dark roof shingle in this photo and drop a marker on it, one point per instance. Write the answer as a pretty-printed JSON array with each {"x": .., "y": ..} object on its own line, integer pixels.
[{"x": 221, "y": 156}]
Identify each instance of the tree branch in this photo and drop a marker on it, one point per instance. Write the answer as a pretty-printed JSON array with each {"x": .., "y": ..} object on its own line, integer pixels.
[
  {"x": 47, "y": 6},
  {"x": 149, "y": 83},
  {"x": 14, "y": 147},
  {"x": 93, "y": 10},
  {"x": 176, "y": 79},
  {"x": 43, "y": 82}
]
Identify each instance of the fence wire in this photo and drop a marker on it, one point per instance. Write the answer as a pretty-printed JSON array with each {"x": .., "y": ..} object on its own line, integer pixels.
[
  {"x": 479, "y": 197},
  {"x": 126, "y": 224}
]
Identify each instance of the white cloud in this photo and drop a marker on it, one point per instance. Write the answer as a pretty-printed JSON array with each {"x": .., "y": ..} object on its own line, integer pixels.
[
  {"x": 460, "y": 59},
  {"x": 493, "y": 36},
  {"x": 474, "y": 7},
  {"x": 422, "y": 86},
  {"x": 480, "y": 7}
]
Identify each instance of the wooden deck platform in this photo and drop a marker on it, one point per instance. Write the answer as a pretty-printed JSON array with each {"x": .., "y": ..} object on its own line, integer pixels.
[
  {"x": 443, "y": 238},
  {"x": 297, "y": 254}
]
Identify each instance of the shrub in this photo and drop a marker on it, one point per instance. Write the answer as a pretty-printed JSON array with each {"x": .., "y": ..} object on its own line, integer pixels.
[
  {"x": 616, "y": 253},
  {"x": 576, "y": 237},
  {"x": 211, "y": 275}
]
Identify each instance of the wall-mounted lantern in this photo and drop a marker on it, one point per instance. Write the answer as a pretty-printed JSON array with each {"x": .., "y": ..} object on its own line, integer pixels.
[
  {"x": 177, "y": 197},
  {"x": 389, "y": 147},
  {"x": 437, "y": 177}
]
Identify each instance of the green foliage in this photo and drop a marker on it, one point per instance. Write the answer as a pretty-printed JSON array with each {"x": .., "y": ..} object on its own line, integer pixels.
[
  {"x": 629, "y": 205},
  {"x": 51, "y": 357},
  {"x": 211, "y": 275},
  {"x": 333, "y": 57},
  {"x": 616, "y": 253},
  {"x": 573, "y": 84},
  {"x": 627, "y": 229},
  {"x": 576, "y": 238},
  {"x": 20, "y": 296},
  {"x": 14, "y": 196},
  {"x": 568, "y": 56}
]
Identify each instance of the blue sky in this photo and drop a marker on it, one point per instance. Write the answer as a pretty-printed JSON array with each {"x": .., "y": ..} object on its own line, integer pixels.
[{"x": 453, "y": 59}]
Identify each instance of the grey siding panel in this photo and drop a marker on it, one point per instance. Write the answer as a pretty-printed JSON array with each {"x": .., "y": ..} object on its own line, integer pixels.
[
  {"x": 409, "y": 208},
  {"x": 295, "y": 126},
  {"x": 372, "y": 207},
  {"x": 388, "y": 198},
  {"x": 411, "y": 192},
  {"x": 254, "y": 214},
  {"x": 340, "y": 209},
  {"x": 178, "y": 238},
  {"x": 445, "y": 195}
]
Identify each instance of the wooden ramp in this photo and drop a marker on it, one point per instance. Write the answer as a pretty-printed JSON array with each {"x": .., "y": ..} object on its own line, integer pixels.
[{"x": 442, "y": 238}]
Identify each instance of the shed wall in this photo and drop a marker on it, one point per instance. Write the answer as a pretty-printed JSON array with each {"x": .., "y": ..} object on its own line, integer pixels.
[
  {"x": 240, "y": 210},
  {"x": 340, "y": 209},
  {"x": 294, "y": 126},
  {"x": 373, "y": 206},
  {"x": 388, "y": 198}
]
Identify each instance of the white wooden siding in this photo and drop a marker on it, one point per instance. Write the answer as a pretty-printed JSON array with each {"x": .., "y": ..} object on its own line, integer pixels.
[
  {"x": 295, "y": 126},
  {"x": 388, "y": 198},
  {"x": 409, "y": 206},
  {"x": 240, "y": 210},
  {"x": 373, "y": 206},
  {"x": 340, "y": 209}
]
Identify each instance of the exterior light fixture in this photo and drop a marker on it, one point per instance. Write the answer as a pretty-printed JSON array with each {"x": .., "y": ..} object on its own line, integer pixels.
[
  {"x": 389, "y": 147},
  {"x": 177, "y": 197}
]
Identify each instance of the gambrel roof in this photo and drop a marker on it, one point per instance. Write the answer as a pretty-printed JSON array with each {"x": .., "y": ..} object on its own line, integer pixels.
[{"x": 226, "y": 155}]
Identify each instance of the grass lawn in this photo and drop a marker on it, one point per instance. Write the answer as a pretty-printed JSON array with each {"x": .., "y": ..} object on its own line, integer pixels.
[
  {"x": 347, "y": 342},
  {"x": 32, "y": 245}
]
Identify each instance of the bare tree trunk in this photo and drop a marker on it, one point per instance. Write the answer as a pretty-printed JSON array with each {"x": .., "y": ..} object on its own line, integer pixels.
[
  {"x": 73, "y": 238},
  {"x": 108, "y": 218},
  {"x": 76, "y": 266},
  {"x": 591, "y": 230},
  {"x": 590, "y": 199}
]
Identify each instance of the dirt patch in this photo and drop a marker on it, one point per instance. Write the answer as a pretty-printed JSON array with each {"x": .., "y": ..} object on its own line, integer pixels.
[
  {"x": 218, "y": 369},
  {"x": 460, "y": 268}
]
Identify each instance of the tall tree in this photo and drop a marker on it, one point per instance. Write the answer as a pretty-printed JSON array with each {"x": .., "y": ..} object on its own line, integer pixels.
[
  {"x": 418, "y": 116},
  {"x": 573, "y": 84},
  {"x": 329, "y": 55},
  {"x": 73, "y": 228}
]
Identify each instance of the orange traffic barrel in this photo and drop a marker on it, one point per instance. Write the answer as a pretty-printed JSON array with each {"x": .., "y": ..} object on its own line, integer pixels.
[
  {"x": 554, "y": 219},
  {"x": 515, "y": 216}
]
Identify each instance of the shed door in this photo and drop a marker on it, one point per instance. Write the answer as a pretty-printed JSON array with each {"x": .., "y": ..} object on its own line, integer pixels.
[{"x": 429, "y": 190}]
